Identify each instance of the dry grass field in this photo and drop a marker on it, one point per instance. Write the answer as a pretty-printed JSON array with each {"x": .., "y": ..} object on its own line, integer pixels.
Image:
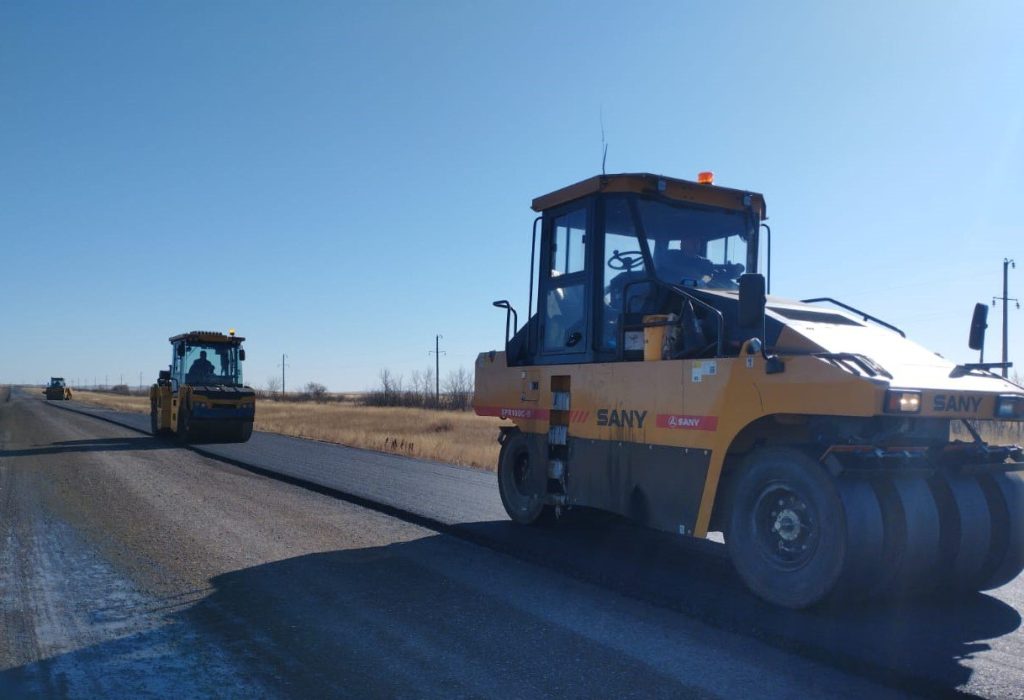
[{"x": 446, "y": 436}]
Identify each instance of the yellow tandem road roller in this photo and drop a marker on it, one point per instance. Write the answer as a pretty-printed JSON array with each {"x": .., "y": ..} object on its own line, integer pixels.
[
  {"x": 57, "y": 390},
  {"x": 201, "y": 397},
  {"x": 656, "y": 379}
]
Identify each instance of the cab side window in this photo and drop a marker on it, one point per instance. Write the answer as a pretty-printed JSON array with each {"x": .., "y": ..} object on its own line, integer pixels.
[
  {"x": 565, "y": 302},
  {"x": 177, "y": 364},
  {"x": 568, "y": 244}
]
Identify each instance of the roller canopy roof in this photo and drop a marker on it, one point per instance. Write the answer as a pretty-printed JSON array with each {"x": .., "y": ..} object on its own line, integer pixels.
[
  {"x": 206, "y": 337},
  {"x": 646, "y": 183}
]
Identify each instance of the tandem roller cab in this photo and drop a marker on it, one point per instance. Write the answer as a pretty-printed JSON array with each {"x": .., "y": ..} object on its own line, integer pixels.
[
  {"x": 201, "y": 397},
  {"x": 655, "y": 378}
]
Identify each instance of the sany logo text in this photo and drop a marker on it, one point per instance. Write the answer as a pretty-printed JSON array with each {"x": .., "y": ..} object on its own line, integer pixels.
[{"x": 678, "y": 422}]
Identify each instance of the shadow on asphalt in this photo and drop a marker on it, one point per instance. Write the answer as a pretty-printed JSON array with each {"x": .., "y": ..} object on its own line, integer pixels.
[
  {"x": 118, "y": 444},
  {"x": 391, "y": 621},
  {"x": 922, "y": 645},
  {"x": 376, "y": 622}
]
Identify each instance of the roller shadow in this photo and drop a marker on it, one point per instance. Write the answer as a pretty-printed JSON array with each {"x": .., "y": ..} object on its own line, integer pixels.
[
  {"x": 925, "y": 645},
  {"x": 118, "y": 444},
  {"x": 428, "y": 619},
  {"x": 385, "y": 621}
]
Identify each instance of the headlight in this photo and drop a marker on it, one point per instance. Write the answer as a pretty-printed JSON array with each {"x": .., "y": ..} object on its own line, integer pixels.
[
  {"x": 902, "y": 401},
  {"x": 1010, "y": 407}
]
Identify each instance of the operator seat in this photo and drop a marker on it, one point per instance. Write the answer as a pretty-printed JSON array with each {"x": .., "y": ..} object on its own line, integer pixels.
[{"x": 674, "y": 266}]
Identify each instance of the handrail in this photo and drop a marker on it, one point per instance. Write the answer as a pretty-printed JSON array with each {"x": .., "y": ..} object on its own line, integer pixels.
[
  {"x": 529, "y": 305},
  {"x": 510, "y": 313},
  {"x": 961, "y": 370},
  {"x": 867, "y": 317}
]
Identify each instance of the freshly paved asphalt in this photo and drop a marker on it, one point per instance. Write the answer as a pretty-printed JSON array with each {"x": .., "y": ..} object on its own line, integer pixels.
[{"x": 973, "y": 645}]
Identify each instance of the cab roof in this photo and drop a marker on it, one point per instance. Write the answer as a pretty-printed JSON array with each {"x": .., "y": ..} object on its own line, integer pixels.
[
  {"x": 646, "y": 183},
  {"x": 206, "y": 337}
]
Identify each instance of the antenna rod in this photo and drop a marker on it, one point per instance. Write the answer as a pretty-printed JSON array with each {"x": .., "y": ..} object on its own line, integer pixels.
[{"x": 604, "y": 144}]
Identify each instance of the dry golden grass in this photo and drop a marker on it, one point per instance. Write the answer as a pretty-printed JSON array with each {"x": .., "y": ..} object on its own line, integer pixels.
[
  {"x": 992, "y": 432},
  {"x": 445, "y": 436},
  {"x": 130, "y": 404}
]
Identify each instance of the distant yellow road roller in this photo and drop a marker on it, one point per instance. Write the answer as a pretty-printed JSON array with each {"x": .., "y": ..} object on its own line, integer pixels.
[
  {"x": 57, "y": 390},
  {"x": 201, "y": 397},
  {"x": 657, "y": 379}
]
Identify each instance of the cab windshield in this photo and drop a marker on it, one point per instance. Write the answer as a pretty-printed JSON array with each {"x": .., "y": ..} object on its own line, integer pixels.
[
  {"x": 696, "y": 247},
  {"x": 209, "y": 364}
]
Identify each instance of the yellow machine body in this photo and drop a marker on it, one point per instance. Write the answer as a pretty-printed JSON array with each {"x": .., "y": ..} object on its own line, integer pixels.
[
  {"x": 703, "y": 411},
  {"x": 198, "y": 401},
  {"x": 656, "y": 379}
]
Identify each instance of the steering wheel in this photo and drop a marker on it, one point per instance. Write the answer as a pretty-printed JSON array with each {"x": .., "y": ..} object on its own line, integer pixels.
[{"x": 624, "y": 260}]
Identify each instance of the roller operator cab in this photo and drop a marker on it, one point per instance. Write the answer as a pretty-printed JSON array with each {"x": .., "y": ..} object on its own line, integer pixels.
[
  {"x": 201, "y": 397},
  {"x": 57, "y": 390},
  {"x": 656, "y": 379}
]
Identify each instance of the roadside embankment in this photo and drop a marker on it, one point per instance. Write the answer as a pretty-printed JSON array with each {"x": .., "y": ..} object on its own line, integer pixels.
[{"x": 455, "y": 437}]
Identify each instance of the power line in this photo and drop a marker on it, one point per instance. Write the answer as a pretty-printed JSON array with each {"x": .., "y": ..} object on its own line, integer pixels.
[
  {"x": 282, "y": 366},
  {"x": 437, "y": 352},
  {"x": 1007, "y": 264}
]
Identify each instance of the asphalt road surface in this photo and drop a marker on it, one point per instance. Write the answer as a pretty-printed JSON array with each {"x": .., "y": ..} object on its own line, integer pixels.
[{"x": 131, "y": 567}]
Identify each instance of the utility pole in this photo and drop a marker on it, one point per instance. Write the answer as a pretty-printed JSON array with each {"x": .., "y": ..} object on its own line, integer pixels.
[
  {"x": 1007, "y": 264},
  {"x": 283, "y": 365},
  {"x": 437, "y": 352}
]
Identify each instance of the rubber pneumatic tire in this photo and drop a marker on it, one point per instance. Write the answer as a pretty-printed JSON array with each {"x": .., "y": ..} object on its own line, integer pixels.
[
  {"x": 787, "y": 529},
  {"x": 244, "y": 431},
  {"x": 522, "y": 482}
]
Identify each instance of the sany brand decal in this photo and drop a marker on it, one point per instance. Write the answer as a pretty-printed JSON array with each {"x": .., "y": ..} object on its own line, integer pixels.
[
  {"x": 621, "y": 418},
  {"x": 960, "y": 404},
  {"x": 675, "y": 421}
]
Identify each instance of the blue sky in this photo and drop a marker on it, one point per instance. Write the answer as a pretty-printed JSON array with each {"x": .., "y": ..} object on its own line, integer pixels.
[{"x": 342, "y": 181}]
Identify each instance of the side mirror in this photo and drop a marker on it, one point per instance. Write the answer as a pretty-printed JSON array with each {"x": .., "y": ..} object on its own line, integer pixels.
[
  {"x": 752, "y": 302},
  {"x": 978, "y": 325},
  {"x": 241, "y": 354},
  {"x": 180, "y": 349}
]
